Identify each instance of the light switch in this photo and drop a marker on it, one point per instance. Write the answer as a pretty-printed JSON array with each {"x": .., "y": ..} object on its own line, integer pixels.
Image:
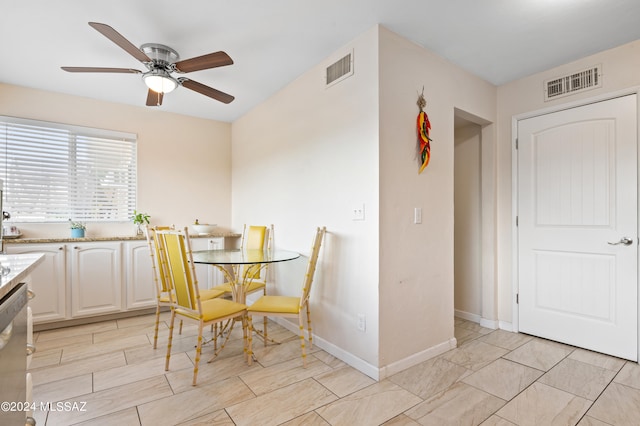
[{"x": 417, "y": 215}]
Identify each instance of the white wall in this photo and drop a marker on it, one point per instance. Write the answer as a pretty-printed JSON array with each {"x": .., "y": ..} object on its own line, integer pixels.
[
  {"x": 184, "y": 163},
  {"x": 621, "y": 70},
  {"x": 305, "y": 158},
  {"x": 416, "y": 261},
  {"x": 468, "y": 223}
]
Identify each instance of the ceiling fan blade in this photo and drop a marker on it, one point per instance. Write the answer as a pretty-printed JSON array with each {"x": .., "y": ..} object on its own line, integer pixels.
[
  {"x": 212, "y": 60},
  {"x": 206, "y": 90},
  {"x": 98, "y": 69},
  {"x": 154, "y": 98},
  {"x": 118, "y": 39}
]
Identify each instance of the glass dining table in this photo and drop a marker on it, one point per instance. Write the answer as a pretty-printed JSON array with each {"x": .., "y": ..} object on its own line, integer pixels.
[{"x": 235, "y": 265}]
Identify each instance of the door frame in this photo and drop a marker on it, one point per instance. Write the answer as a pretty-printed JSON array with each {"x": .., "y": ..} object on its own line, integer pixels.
[{"x": 514, "y": 187}]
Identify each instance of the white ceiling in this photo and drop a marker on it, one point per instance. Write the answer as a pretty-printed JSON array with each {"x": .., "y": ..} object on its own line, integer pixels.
[{"x": 273, "y": 42}]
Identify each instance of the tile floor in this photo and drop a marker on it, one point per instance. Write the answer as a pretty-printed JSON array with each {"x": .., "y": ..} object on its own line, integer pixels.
[{"x": 108, "y": 374}]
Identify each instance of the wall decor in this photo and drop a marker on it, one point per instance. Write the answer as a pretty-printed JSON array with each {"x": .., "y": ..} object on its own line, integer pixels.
[{"x": 424, "y": 140}]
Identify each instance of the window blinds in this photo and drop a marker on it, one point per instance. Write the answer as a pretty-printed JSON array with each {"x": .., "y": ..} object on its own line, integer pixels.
[{"x": 53, "y": 172}]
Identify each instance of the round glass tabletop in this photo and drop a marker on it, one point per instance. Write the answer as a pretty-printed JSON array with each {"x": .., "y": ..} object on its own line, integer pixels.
[{"x": 242, "y": 257}]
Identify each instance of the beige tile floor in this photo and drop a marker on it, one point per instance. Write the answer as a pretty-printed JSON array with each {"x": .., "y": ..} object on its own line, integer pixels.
[{"x": 108, "y": 374}]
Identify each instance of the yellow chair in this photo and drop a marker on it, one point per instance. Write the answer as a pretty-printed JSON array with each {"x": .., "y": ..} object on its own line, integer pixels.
[
  {"x": 176, "y": 259},
  {"x": 288, "y": 306},
  {"x": 163, "y": 293},
  {"x": 253, "y": 238}
]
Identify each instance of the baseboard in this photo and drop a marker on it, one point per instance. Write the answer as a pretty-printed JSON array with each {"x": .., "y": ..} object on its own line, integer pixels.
[
  {"x": 417, "y": 358},
  {"x": 487, "y": 323},
  {"x": 467, "y": 316},
  {"x": 364, "y": 367},
  {"x": 355, "y": 362},
  {"x": 506, "y": 326},
  {"x": 43, "y": 326},
  {"x": 484, "y": 322}
]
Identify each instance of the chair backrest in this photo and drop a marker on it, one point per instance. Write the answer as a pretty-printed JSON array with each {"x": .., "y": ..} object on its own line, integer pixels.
[
  {"x": 311, "y": 265},
  {"x": 175, "y": 254},
  {"x": 159, "y": 277},
  {"x": 254, "y": 238}
]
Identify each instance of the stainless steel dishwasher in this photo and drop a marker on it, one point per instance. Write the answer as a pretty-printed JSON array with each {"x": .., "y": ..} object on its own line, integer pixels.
[{"x": 13, "y": 359}]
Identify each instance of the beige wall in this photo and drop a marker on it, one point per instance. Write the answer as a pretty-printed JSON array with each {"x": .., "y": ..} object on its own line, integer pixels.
[
  {"x": 416, "y": 261},
  {"x": 621, "y": 71},
  {"x": 184, "y": 163}
]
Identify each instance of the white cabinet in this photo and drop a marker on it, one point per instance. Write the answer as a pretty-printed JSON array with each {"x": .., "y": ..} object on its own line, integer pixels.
[
  {"x": 82, "y": 279},
  {"x": 48, "y": 280},
  {"x": 208, "y": 276},
  {"x": 141, "y": 292},
  {"x": 96, "y": 278}
]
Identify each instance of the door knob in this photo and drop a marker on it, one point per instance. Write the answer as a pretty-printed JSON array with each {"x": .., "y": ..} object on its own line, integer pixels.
[{"x": 624, "y": 240}]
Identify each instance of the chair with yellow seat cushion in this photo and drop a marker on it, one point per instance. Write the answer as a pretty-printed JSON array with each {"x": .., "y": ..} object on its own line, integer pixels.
[
  {"x": 292, "y": 306},
  {"x": 253, "y": 238},
  {"x": 176, "y": 259},
  {"x": 163, "y": 294}
]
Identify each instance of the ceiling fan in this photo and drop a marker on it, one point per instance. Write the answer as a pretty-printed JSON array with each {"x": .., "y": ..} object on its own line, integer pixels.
[{"x": 161, "y": 62}]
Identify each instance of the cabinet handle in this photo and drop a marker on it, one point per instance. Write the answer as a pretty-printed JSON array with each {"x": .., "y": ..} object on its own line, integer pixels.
[
  {"x": 30, "y": 294},
  {"x": 31, "y": 349},
  {"x": 76, "y": 247},
  {"x": 30, "y": 421},
  {"x": 60, "y": 248}
]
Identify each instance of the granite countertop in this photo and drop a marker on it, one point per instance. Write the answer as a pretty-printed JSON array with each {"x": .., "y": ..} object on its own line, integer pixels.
[
  {"x": 15, "y": 267},
  {"x": 104, "y": 238}
]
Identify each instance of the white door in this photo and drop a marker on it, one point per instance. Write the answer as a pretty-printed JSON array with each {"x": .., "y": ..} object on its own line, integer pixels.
[{"x": 577, "y": 200}]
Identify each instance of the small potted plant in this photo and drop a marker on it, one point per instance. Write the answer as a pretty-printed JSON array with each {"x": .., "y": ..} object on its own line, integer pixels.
[
  {"x": 140, "y": 219},
  {"x": 77, "y": 229}
]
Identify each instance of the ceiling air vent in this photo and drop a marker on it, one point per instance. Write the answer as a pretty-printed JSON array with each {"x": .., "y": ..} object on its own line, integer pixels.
[
  {"x": 576, "y": 82},
  {"x": 339, "y": 70}
]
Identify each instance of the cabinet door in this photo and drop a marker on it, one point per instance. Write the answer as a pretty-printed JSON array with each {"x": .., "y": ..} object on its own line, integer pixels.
[
  {"x": 141, "y": 291},
  {"x": 96, "y": 278},
  {"x": 48, "y": 281}
]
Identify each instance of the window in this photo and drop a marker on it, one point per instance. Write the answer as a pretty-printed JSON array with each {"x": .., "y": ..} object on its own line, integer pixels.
[{"x": 53, "y": 172}]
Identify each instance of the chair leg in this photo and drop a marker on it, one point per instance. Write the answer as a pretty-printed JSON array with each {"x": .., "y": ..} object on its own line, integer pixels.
[
  {"x": 155, "y": 331},
  {"x": 264, "y": 323},
  {"x": 198, "y": 351},
  {"x": 309, "y": 327},
  {"x": 170, "y": 340},
  {"x": 304, "y": 352},
  {"x": 248, "y": 335},
  {"x": 215, "y": 336}
]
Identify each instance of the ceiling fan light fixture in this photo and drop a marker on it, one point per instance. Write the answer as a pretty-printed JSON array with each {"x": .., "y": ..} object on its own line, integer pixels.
[{"x": 160, "y": 81}]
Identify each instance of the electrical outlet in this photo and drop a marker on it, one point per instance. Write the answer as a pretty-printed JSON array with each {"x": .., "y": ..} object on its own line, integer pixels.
[
  {"x": 362, "y": 322},
  {"x": 358, "y": 212}
]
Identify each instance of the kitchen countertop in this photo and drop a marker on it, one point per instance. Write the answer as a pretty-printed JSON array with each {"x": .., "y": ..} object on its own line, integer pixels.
[
  {"x": 18, "y": 266},
  {"x": 23, "y": 240}
]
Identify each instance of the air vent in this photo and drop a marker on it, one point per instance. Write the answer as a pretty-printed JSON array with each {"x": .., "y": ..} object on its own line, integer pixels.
[
  {"x": 577, "y": 82},
  {"x": 339, "y": 70}
]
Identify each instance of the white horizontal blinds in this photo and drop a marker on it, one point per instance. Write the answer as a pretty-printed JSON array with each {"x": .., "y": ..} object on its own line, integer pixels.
[{"x": 53, "y": 172}]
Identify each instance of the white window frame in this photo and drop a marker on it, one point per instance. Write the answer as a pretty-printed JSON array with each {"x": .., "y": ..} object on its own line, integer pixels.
[{"x": 54, "y": 172}]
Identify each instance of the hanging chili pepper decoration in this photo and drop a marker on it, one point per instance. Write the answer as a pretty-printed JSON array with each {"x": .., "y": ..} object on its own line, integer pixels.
[{"x": 424, "y": 140}]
